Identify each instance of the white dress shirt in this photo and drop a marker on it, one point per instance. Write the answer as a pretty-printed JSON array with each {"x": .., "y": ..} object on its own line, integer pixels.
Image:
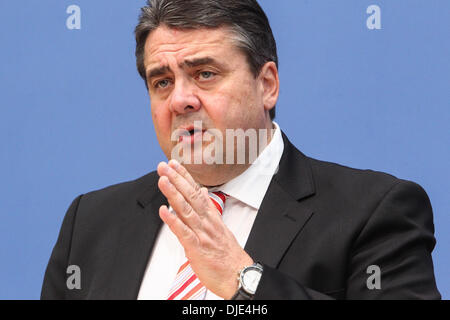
[{"x": 246, "y": 192}]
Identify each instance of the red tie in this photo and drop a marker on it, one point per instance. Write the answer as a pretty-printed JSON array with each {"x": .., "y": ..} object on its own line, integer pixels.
[{"x": 186, "y": 285}]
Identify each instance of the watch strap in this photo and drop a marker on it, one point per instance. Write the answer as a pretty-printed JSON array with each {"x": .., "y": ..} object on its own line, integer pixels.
[{"x": 241, "y": 294}]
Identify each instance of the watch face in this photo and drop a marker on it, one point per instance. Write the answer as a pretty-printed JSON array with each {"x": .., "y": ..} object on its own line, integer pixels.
[{"x": 250, "y": 279}]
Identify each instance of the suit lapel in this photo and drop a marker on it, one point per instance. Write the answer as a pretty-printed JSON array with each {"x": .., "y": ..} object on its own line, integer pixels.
[
  {"x": 137, "y": 237},
  {"x": 282, "y": 214}
]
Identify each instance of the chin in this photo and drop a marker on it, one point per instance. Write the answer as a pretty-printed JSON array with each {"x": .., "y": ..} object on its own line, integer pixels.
[{"x": 207, "y": 175}]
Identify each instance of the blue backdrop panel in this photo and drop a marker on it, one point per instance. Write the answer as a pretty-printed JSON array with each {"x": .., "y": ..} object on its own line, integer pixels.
[{"x": 75, "y": 115}]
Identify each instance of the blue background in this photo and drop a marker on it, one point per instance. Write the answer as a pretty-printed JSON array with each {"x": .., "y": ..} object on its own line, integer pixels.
[{"x": 75, "y": 115}]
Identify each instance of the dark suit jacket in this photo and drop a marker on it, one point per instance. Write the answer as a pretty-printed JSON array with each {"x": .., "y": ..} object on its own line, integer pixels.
[{"x": 319, "y": 228}]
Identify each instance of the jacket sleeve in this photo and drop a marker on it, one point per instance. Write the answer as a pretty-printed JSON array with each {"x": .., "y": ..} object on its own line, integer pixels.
[
  {"x": 54, "y": 285},
  {"x": 398, "y": 238}
]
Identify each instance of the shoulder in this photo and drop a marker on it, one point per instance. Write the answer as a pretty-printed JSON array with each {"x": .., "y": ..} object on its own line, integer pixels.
[
  {"x": 337, "y": 186},
  {"x": 336, "y": 183},
  {"x": 115, "y": 200},
  {"x": 341, "y": 178},
  {"x": 128, "y": 189},
  {"x": 367, "y": 194}
]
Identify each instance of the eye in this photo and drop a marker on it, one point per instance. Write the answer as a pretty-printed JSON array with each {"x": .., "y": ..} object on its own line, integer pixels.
[
  {"x": 162, "y": 84},
  {"x": 206, "y": 75}
]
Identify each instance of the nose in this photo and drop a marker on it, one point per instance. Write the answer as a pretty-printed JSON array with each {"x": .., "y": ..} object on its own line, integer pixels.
[{"x": 183, "y": 98}]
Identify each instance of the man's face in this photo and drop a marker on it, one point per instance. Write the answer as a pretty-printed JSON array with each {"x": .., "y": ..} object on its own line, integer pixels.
[{"x": 200, "y": 75}]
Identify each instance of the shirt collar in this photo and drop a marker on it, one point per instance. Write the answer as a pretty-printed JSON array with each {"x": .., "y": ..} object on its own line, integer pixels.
[{"x": 250, "y": 187}]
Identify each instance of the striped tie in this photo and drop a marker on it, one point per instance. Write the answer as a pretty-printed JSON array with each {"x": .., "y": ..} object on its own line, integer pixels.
[{"x": 186, "y": 285}]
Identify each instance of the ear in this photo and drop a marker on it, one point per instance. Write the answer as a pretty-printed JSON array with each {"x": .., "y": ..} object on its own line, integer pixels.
[{"x": 271, "y": 85}]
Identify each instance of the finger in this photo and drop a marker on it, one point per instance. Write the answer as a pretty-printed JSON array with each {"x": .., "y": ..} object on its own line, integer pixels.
[
  {"x": 174, "y": 164},
  {"x": 206, "y": 194},
  {"x": 212, "y": 206},
  {"x": 181, "y": 170},
  {"x": 184, "y": 234},
  {"x": 191, "y": 193},
  {"x": 179, "y": 204}
]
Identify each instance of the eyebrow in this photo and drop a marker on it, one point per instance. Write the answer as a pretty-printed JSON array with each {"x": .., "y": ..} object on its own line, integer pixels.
[
  {"x": 157, "y": 72},
  {"x": 199, "y": 62},
  {"x": 189, "y": 63}
]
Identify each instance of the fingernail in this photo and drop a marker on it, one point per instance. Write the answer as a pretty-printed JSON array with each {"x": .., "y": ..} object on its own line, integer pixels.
[
  {"x": 174, "y": 163},
  {"x": 165, "y": 168}
]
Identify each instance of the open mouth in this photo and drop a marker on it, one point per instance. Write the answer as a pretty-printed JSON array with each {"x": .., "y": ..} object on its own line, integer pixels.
[
  {"x": 194, "y": 131},
  {"x": 190, "y": 135}
]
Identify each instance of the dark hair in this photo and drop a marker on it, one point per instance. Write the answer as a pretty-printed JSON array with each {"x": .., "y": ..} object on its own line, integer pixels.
[{"x": 246, "y": 19}]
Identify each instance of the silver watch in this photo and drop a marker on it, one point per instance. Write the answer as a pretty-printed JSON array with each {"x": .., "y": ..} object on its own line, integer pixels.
[{"x": 249, "y": 278}]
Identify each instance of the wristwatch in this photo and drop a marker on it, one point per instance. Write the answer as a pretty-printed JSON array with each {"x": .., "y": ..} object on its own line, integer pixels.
[{"x": 249, "y": 278}]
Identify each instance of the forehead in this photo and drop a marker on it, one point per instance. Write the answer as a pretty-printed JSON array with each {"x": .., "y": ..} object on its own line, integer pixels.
[{"x": 186, "y": 43}]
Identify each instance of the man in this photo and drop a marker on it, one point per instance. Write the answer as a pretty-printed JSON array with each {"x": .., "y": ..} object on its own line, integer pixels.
[{"x": 283, "y": 226}]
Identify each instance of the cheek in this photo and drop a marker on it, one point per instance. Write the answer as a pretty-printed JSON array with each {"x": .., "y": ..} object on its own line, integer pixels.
[
  {"x": 162, "y": 123},
  {"x": 159, "y": 113},
  {"x": 217, "y": 106},
  {"x": 241, "y": 105}
]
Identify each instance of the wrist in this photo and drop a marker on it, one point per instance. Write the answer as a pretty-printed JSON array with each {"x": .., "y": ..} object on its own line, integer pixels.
[
  {"x": 249, "y": 278},
  {"x": 235, "y": 279}
]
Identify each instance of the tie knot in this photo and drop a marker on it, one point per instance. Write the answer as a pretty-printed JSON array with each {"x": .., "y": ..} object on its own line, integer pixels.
[{"x": 218, "y": 198}]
